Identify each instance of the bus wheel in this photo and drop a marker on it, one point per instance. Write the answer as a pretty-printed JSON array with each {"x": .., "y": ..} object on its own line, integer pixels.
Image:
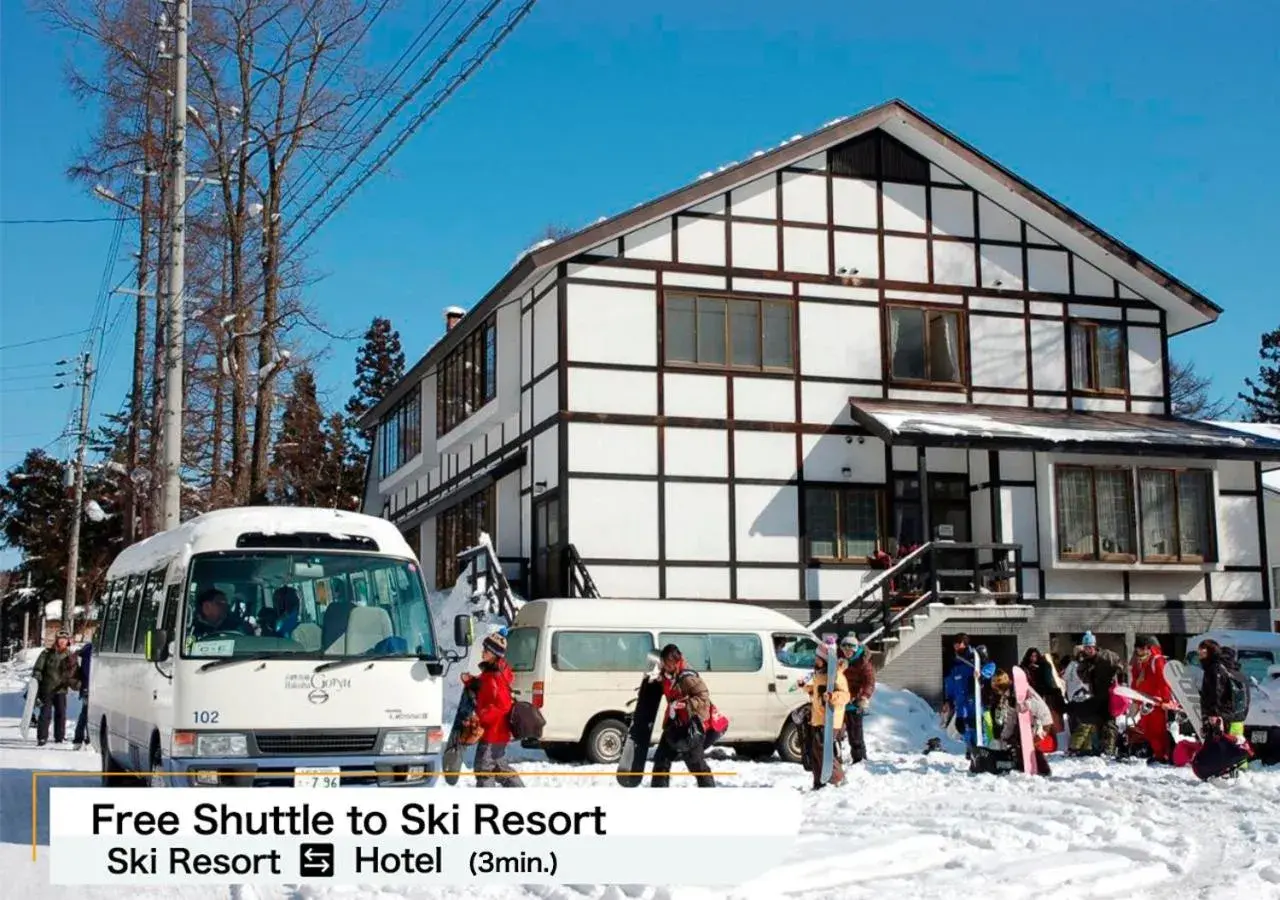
[
  {"x": 113, "y": 774},
  {"x": 155, "y": 778}
]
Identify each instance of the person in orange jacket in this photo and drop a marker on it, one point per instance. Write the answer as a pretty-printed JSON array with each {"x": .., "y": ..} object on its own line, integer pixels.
[{"x": 1146, "y": 675}]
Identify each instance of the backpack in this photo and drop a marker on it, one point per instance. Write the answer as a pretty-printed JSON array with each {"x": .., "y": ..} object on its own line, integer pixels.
[
  {"x": 526, "y": 721},
  {"x": 1238, "y": 699}
]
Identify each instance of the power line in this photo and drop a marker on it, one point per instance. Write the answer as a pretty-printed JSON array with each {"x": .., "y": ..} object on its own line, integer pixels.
[
  {"x": 45, "y": 340},
  {"x": 447, "y": 91},
  {"x": 60, "y": 221}
]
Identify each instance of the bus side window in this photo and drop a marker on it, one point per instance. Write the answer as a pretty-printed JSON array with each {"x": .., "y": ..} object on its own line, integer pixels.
[
  {"x": 111, "y": 617},
  {"x": 170, "y": 617}
]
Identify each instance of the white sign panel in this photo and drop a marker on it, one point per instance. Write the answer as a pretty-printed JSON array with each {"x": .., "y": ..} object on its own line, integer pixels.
[{"x": 388, "y": 836}]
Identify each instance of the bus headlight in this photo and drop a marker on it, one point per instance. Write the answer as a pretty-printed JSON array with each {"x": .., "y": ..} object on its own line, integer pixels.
[
  {"x": 202, "y": 744},
  {"x": 405, "y": 741}
]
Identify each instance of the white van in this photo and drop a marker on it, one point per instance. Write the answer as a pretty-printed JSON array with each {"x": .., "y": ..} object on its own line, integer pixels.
[
  {"x": 580, "y": 661},
  {"x": 1259, "y": 654}
]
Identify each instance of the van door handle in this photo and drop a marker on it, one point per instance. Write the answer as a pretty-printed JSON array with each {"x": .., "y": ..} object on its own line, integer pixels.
[
  {"x": 773, "y": 689},
  {"x": 782, "y": 677}
]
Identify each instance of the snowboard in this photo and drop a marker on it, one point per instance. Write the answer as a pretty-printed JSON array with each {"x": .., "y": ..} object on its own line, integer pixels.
[
  {"x": 1148, "y": 704},
  {"x": 24, "y": 724},
  {"x": 453, "y": 748},
  {"x": 635, "y": 748},
  {"x": 979, "y": 732},
  {"x": 1021, "y": 690},
  {"x": 1186, "y": 693},
  {"x": 829, "y": 720}
]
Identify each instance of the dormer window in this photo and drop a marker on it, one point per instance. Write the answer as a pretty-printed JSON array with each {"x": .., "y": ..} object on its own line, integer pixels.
[
  {"x": 1097, "y": 358},
  {"x": 467, "y": 378}
]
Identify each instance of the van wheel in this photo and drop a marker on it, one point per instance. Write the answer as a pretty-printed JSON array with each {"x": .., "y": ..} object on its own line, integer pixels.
[
  {"x": 562, "y": 752},
  {"x": 756, "y": 752},
  {"x": 789, "y": 743},
  {"x": 605, "y": 740}
]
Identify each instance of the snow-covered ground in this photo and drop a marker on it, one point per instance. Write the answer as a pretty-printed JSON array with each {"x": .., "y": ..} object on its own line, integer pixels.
[{"x": 905, "y": 823}]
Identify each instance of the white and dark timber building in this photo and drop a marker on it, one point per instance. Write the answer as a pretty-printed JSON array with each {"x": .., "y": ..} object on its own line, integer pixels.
[{"x": 771, "y": 384}]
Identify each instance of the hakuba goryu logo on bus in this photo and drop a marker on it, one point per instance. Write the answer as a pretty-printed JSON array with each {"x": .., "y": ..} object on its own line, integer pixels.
[{"x": 317, "y": 686}]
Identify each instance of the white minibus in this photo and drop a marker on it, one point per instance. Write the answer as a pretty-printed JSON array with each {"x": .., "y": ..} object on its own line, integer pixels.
[
  {"x": 580, "y": 661},
  {"x": 268, "y": 646}
]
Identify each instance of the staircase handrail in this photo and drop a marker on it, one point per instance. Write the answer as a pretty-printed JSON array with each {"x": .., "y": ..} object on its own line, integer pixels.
[
  {"x": 897, "y": 617},
  {"x": 872, "y": 585}
]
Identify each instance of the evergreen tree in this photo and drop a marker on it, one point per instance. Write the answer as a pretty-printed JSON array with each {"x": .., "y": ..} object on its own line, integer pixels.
[
  {"x": 35, "y": 518},
  {"x": 343, "y": 482},
  {"x": 1262, "y": 404},
  {"x": 300, "y": 448},
  {"x": 379, "y": 365}
]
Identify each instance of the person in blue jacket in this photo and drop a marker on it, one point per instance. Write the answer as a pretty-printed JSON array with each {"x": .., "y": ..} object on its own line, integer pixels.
[
  {"x": 957, "y": 690},
  {"x": 81, "y": 737}
]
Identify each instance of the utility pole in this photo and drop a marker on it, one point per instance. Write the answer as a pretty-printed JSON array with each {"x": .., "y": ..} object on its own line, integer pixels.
[
  {"x": 77, "y": 512},
  {"x": 173, "y": 387}
]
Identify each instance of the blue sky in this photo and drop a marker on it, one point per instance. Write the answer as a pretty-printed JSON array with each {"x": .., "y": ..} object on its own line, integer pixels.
[{"x": 1158, "y": 122}]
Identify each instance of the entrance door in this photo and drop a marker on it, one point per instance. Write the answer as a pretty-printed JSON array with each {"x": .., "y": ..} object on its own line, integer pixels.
[{"x": 548, "y": 549}]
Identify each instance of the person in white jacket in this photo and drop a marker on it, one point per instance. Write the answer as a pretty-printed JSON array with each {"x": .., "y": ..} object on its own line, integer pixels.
[{"x": 1010, "y": 734}]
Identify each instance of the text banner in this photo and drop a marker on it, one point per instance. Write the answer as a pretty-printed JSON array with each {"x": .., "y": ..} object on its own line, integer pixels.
[{"x": 386, "y": 836}]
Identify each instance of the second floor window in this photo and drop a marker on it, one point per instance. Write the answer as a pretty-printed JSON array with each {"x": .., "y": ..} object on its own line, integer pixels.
[
  {"x": 1177, "y": 519},
  {"x": 467, "y": 378},
  {"x": 1097, "y": 357},
  {"x": 925, "y": 345},
  {"x": 1095, "y": 514},
  {"x": 400, "y": 433},
  {"x": 842, "y": 523},
  {"x": 731, "y": 333}
]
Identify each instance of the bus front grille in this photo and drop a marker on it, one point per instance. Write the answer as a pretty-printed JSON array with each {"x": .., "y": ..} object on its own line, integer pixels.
[{"x": 295, "y": 743}]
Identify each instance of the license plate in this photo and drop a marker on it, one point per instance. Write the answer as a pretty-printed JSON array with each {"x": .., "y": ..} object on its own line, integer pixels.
[
  {"x": 325, "y": 777},
  {"x": 1259, "y": 737}
]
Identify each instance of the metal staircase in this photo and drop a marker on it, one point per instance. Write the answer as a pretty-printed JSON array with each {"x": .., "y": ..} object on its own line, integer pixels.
[
  {"x": 934, "y": 583},
  {"x": 581, "y": 583},
  {"x": 487, "y": 580}
]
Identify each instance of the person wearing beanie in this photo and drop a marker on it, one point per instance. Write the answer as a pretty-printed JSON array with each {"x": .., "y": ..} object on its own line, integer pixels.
[
  {"x": 1098, "y": 669},
  {"x": 1008, "y": 729},
  {"x": 685, "y": 724},
  {"x": 56, "y": 671},
  {"x": 494, "y": 701},
  {"x": 821, "y": 686},
  {"x": 860, "y": 674}
]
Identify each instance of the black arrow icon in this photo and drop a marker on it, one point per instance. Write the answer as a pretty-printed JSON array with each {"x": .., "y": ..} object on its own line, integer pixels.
[{"x": 316, "y": 861}]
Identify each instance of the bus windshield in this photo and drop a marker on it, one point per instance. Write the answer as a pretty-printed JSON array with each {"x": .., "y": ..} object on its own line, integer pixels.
[{"x": 308, "y": 604}]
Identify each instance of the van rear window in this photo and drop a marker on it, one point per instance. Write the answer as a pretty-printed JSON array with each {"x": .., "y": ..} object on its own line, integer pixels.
[
  {"x": 601, "y": 651},
  {"x": 522, "y": 649},
  {"x": 718, "y": 652}
]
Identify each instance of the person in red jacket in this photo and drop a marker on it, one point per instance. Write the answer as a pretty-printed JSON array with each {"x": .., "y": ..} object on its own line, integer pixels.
[
  {"x": 493, "y": 713},
  {"x": 1146, "y": 675}
]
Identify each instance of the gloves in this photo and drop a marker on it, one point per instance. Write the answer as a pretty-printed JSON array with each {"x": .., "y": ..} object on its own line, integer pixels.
[{"x": 863, "y": 704}]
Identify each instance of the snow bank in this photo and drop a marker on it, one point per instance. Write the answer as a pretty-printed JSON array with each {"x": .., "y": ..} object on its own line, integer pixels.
[{"x": 901, "y": 722}]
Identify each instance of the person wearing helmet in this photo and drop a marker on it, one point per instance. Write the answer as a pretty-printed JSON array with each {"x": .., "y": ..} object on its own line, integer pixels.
[{"x": 860, "y": 674}]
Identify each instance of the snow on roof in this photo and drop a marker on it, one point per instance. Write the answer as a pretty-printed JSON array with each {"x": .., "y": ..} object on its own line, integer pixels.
[
  {"x": 1270, "y": 479},
  {"x": 1054, "y": 428},
  {"x": 545, "y": 242},
  {"x": 219, "y": 529}
]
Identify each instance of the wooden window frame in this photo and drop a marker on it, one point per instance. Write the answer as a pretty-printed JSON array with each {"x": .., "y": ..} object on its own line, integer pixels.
[
  {"x": 761, "y": 302},
  {"x": 404, "y": 421},
  {"x": 1092, "y": 327},
  {"x": 1097, "y": 555},
  {"x": 448, "y": 528},
  {"x": 1180, "y": 558},
  {"x": 841, "y": 490},
  {"x": 458, "y": 384},
  {"x": 962, "y": 360}
]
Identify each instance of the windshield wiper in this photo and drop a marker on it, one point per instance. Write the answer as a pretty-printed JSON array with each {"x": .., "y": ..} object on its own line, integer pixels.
[
  {"x": 354, "y": 660},
  {"x": 228, "y": 660}
]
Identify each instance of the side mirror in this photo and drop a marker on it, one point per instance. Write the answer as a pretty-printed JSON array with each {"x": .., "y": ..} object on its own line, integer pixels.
[
  {"x": 157, "y": 649},
  {"x": 464, "y": 630},
  {"x": 435, "y": 668}
]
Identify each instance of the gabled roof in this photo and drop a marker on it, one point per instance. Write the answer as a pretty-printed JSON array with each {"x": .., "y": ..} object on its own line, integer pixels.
[{"x": 1188, "y": 308}]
